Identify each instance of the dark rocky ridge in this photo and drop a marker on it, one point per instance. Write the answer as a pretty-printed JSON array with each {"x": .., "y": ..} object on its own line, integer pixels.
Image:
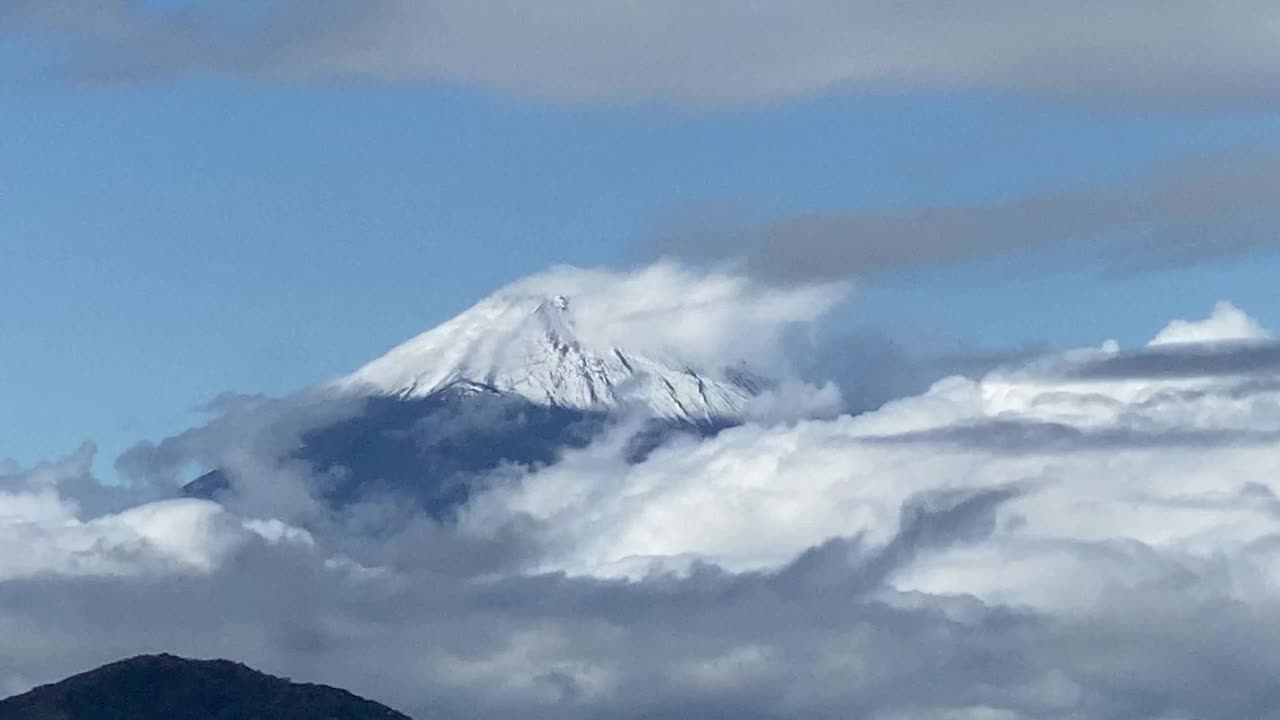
[
  {"x": 437, "y": 450},
  {"x": 165, "y": 687}
]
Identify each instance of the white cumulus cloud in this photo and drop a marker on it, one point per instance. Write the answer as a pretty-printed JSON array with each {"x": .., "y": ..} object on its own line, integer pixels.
[
  {"x": 1226, "y": 323},
  {"x": 44, "y": 531},
  {"x": 1180, "y": 467},
  {"x": 1088, "y": 535}
]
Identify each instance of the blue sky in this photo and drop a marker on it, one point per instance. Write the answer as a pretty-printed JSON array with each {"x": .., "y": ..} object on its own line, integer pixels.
[
  {"x": 166, "y": 239},
  {"x": 201, "y": 197}
]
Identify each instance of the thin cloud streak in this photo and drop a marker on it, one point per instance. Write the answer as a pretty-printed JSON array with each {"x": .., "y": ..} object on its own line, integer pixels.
[
  {"x": 1136, "y": 54},
  {"x": 1217, "y": 208}
]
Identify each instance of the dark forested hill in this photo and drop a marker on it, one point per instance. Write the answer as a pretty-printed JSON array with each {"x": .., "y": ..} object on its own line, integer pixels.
[{"x": 164, "y": 687}]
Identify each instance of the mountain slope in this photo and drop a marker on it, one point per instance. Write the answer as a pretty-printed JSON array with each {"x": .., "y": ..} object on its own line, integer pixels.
[
  {"x": 531, "y": 346},
  {"x": 164, "y": 687},
  {"x": 510, "y": 381},
  {"x": 433, "y": 450}
]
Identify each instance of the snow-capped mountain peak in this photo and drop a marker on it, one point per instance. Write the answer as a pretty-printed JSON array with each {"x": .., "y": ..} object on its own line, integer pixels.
[{"x": 530, "y": 345}]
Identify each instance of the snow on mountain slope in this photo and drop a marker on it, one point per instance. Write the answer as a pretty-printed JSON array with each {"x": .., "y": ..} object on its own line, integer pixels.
[{"x": 529, "y": 345}]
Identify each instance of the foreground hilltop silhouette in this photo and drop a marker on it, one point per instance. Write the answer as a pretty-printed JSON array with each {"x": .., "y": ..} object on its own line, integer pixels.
[{"x": 164, "y": 687}]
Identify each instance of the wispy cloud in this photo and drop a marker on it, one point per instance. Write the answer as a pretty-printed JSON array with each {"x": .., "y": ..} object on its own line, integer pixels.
[
  {"x": 1214, "y": 208},
  {"x": 1180, "y": 53}
]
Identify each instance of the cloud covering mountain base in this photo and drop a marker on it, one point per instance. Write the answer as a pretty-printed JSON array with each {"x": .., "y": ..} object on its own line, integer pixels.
[{"x": 1088, "y": 534}]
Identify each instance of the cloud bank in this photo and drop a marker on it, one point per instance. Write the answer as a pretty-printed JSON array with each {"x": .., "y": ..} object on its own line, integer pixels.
[
  {"x": 766, "y": 493},
  {"x": 667, "y": 309},
  {"x": 1077, "y": 535},
  {"x": 1207, "y": 209},
  {"x": 1179, "y": 54}
]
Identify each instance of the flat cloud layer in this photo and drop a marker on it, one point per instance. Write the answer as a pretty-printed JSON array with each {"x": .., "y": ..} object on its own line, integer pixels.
[
  {"x": 1178, "y": 53},
  {"x": 1078, "y": 535},
  {"x": 1206, "y": 209}
]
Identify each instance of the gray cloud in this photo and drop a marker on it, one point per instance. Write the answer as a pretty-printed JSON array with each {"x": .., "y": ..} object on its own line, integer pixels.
[
  {"x": 1179, "y": 53},
  {"x": 871, "y": 366},
  {"x": 1031, "y": 436},
  {"x": 1213, "y": 208},
  {"x": 255, "y": 437},
  {"x": 1185, "y": 361},
  {"x": 409, "y": 638},
  {"x": 947, "y": 556},
  {"x": 821, "y": 637}
]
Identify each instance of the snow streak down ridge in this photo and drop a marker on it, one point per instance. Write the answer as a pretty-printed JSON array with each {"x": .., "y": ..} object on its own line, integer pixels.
[{"x": 530, "y": 345}]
